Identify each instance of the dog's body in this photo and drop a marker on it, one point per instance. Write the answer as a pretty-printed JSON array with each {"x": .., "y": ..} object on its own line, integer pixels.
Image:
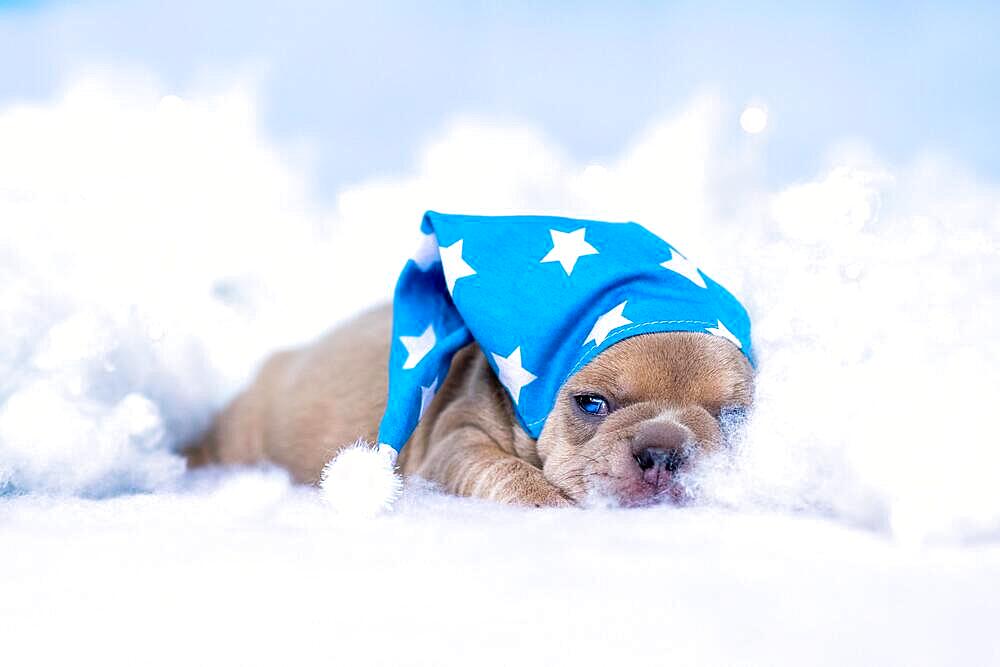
[{"x": 658, "y": 397}]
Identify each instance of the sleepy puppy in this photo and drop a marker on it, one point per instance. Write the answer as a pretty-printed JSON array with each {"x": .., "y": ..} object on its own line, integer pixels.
[
  {"x": 625, "y": 415},
  {"x": 624, "y": 427}
]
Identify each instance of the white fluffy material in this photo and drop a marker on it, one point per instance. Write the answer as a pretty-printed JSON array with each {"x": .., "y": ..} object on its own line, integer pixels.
[
  {"x": 863, "y": 282},
  {"x": 361, "y": 480},
  {"x": 152, "y": 250}
]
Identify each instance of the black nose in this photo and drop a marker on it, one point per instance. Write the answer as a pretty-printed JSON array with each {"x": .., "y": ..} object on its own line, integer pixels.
[
  {"x": 665, "y": 459},
  {"x": 660, "y": 446}
]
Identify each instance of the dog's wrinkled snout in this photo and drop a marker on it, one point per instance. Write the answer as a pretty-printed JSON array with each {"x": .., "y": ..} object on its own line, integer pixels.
[{"x": 660, "y": 449}]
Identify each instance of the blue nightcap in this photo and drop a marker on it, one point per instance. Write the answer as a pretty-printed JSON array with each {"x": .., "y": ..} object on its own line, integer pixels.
[{"x": 541, "y": 296}]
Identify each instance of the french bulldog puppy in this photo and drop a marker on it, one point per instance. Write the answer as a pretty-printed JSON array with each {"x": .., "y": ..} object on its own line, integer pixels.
[{"x": 626, "y": 427}]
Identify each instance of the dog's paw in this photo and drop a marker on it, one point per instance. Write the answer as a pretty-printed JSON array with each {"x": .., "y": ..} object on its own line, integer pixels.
[{"x": 541, "y": 495}]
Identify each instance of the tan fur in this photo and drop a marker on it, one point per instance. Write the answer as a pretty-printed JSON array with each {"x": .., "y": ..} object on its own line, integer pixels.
[{"x": 306, "y": 404}]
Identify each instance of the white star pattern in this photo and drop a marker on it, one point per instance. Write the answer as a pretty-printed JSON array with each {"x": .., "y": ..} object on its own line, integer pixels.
[
  {"x": 721, "y": 330},
  {"x": 608, "y": 322},
  {"x": 426, "y": 396},
  {"x": 427, "y": 252},
  {"x": 454, "y": 265},
  {"x": 567, "y": 247},
  {"x": 512, "y": 373},
  {"x": 417, "y": 347},
  {"x": 680, "y": 264}
]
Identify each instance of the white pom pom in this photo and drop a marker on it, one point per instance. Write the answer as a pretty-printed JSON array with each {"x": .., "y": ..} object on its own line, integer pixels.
[{"x": 361, "y": 480}]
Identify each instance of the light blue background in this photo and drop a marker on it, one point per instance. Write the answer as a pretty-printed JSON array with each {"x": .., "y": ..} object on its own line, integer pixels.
[{"x": 363, "y": 84}]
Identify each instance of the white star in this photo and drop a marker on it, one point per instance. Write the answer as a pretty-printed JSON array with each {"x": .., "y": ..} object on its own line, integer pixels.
[
  {"x": 721, "y": 330},
  {"x": 678, "y": 263},
  {"x": 606, "y": 323},
  {"x": 454, "y": 265},
  {"x": 426, "y": 396},
  {"x": 427, "y": 252},
  {"x": 512, "y": 373},
  {"x": 417, "y": 347},
  {"x": 567, "y": 247}
]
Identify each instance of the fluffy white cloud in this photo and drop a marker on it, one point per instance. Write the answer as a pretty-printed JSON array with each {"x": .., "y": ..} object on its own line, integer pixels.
[{"x": 154, "y": 247}]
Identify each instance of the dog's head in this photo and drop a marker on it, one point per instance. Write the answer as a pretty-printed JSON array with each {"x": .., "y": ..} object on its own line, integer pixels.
[{"x": 634, "y": 421}]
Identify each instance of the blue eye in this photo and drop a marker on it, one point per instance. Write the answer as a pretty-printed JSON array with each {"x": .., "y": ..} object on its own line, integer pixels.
[
  {"x": 733, "y": 421},
  {"x": 734, "y": 415},
  {"x": 592, "y": 404}
]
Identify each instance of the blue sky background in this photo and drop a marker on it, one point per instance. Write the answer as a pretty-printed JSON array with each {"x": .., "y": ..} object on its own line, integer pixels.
[{"x": 364, "y": 84}]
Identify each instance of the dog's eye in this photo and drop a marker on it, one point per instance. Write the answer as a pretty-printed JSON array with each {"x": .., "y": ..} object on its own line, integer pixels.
[
  {"x": 732, "y": 422},
  {"x": 592, "y": 404},
  {"x": 733, "y": 414}
]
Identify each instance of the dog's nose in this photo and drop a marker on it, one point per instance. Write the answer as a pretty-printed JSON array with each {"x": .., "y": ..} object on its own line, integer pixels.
[
  {"x": 653, "y": 458},
  {"x": 660, "y": 447},
  {"x": 660, "y": 435}
]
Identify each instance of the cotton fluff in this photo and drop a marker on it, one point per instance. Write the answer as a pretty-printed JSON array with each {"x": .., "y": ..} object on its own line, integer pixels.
[{"x": 361, "y": 481}]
